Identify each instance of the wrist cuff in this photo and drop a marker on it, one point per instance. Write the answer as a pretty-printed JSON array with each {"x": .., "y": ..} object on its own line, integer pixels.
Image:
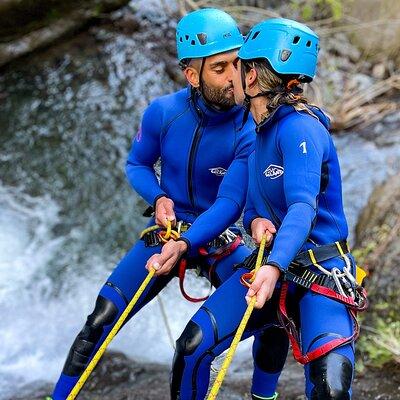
[
  {"x": 248, "y": 230},
  {"x": 183, "y": 239},
  {"x": 158, "y": 197},
  {"x": 275, "y": 264}
]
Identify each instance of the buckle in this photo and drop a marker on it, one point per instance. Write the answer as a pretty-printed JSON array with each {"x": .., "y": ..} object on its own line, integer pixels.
[{"x": 151, "y": 239}]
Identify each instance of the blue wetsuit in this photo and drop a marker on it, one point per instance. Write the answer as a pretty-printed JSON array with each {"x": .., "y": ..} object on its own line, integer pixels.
[
  {"x": 294, "y": 181},
  {"x": 204, "y": 171}
]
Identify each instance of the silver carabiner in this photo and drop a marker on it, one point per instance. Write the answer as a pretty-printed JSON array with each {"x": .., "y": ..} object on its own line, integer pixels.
[{"x": 335, "y": 275}]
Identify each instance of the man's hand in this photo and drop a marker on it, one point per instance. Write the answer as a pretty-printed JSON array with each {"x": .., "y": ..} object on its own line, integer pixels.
[
  {"x": 264, "y": 285},
  {"x": 165, "y": 212},
  {"x": 171, "y": 252},
  {"x": 261, "y": 226}
]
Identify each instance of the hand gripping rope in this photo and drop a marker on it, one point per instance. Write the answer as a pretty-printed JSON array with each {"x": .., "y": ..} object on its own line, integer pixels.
[{"x": 228, "y": 359}]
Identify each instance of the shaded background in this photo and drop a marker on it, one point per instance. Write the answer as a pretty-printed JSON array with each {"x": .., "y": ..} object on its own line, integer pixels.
[{"x": 74, "y": 81}]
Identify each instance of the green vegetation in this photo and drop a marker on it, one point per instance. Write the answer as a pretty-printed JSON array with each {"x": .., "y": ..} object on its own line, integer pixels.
[
  {"x": 380, "y": 345},
  {"x": 317, "y": 9}
]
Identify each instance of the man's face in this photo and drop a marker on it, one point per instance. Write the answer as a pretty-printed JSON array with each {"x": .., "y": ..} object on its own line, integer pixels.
[{"x": 217, "y": 79}]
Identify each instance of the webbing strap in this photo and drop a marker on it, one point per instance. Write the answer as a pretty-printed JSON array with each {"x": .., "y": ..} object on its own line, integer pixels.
[
  {"x": 294, "y": 337},
  {"x": 216, "y": 256},
  {"x": 339, "y": 247},
  {"x": 312, "y": 256},
  {"x": 182, "y": 272},
  {"x": 224, "y": 251}
]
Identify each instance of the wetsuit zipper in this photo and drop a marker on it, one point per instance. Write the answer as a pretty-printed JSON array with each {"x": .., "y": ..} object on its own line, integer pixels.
[{"x": 192, "y": 155}]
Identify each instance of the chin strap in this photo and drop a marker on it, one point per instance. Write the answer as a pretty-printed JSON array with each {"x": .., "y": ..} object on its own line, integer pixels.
[
  {"x": 247, "y": 103},
  {"x": 290, "y": 86}
]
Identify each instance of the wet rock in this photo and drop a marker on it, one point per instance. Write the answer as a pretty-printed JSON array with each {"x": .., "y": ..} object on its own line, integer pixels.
[
  {"x": 34, "y": 25},
  {"x": 340, "y": 45},
  {"x": 379, "y": 71},
  {"x": 360, "y": 82},
  {"x": 128, "y": 24}
]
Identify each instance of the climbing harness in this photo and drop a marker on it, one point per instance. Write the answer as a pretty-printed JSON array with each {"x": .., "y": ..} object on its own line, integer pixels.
[
  {"x": 335, "y": 284},
  {"x": 238, "y": 335},
  {"x": 218, "y": 248}
]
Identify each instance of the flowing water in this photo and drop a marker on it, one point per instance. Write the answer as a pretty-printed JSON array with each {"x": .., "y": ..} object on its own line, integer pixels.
[{"x": 67, "y": 213}]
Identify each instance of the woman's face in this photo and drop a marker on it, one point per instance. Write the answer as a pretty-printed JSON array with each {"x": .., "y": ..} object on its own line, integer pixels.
[{"x": 237, "y": 82}]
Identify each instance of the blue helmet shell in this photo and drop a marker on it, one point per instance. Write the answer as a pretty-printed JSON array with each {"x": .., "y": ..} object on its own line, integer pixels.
[
  {"x": 290, "y": 47},
  {"x": 206, "y": 32}
]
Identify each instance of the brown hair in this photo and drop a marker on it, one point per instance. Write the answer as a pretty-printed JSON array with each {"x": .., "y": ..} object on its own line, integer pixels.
[{"x": 278, "y": 91}]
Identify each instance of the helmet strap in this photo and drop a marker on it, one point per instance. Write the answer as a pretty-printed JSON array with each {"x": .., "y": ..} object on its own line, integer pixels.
[{"x": 248, "y": 98}]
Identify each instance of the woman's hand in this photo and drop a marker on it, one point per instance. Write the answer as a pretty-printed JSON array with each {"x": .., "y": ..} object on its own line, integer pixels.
[
  {"x": 264, "y": 285},
  {"x": 260, "y": 227},
  {"x": 171, "y": 252},
  {"x": 164, "y": 212}
]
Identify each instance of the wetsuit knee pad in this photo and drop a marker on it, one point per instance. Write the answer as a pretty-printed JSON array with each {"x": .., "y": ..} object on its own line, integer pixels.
[
  {"x": 190, "y": 339},
  {"x": 270, "y": 350},
  {"x": 186, "y": 345},
  {"x": 331, "y": 376},
  {"x": 104, "y": 314}
]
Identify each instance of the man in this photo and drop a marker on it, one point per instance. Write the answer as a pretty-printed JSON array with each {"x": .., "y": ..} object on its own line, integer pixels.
[{"x": 202, "y": 189}]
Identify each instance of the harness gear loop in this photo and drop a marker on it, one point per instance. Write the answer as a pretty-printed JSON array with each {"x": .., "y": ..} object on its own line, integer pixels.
[
  {"x": 236, "y": 339},
  {"x": 223, "y": 251},
  {"x": 181, "y": 273},
  {"x": 96, "y": 358},
  {"x": 226, "y": 244}
]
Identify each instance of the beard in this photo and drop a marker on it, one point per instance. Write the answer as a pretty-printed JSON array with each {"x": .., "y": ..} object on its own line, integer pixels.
[{"x": 221, "y": 98}]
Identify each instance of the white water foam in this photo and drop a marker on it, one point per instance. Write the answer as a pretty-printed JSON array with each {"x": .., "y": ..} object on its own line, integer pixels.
[{"x": 37, "y": 325}]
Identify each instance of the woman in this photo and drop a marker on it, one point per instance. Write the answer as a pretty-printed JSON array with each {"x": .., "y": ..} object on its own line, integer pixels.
[{"x": 294, "y": 181}]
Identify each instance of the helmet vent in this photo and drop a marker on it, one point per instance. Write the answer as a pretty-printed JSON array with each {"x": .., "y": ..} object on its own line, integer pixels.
[
  {"x": 308, "y": 43},
  {"x": 193, "y": 42},
  {"x": 247, "y": 37},
  {"x": 187, "y": 37},
  {"x": 296, "y": 39},
  {"x": 285, "y": 55},
  {"x": 255, "y": 35},
  {"x": 180, "y": 39},
  {"x": 202, "y": 38}
]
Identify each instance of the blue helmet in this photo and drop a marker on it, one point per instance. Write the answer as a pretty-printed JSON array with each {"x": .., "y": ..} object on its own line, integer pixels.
[
  {"x": 206, "y": 32},
  {"x": 291, "y": 48}
]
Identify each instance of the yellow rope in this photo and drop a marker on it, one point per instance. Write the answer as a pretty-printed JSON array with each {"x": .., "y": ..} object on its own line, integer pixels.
[
  {"x": 238, "y": 335},
  {"x": 169, "y": 233},
  {"x": 78, "y": 386},
  {"x": 89, "y": 369},
  {"x": 169, "y": 228},
  {"x": 149, "y": 229}
]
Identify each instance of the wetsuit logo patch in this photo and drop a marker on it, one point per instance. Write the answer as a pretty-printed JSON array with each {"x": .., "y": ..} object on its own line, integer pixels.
[
  {"x": 273, "y": 171},
  {"x": 219, "y": 171}
]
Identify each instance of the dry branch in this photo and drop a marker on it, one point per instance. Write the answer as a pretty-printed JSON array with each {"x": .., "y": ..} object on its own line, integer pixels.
[{"x": 358, "y": 109}]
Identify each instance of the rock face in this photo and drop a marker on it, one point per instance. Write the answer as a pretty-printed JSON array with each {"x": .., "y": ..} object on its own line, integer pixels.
[
  {"x": 27, "y": 25},
  {"x": 377, "y": 233}
]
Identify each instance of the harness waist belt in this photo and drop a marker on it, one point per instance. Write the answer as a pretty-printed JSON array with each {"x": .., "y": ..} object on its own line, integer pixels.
[{"x": 321, "y": 254}]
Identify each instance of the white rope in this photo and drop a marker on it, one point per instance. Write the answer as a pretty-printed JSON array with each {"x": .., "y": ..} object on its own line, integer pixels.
[{"x": 166, "y": 322}]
